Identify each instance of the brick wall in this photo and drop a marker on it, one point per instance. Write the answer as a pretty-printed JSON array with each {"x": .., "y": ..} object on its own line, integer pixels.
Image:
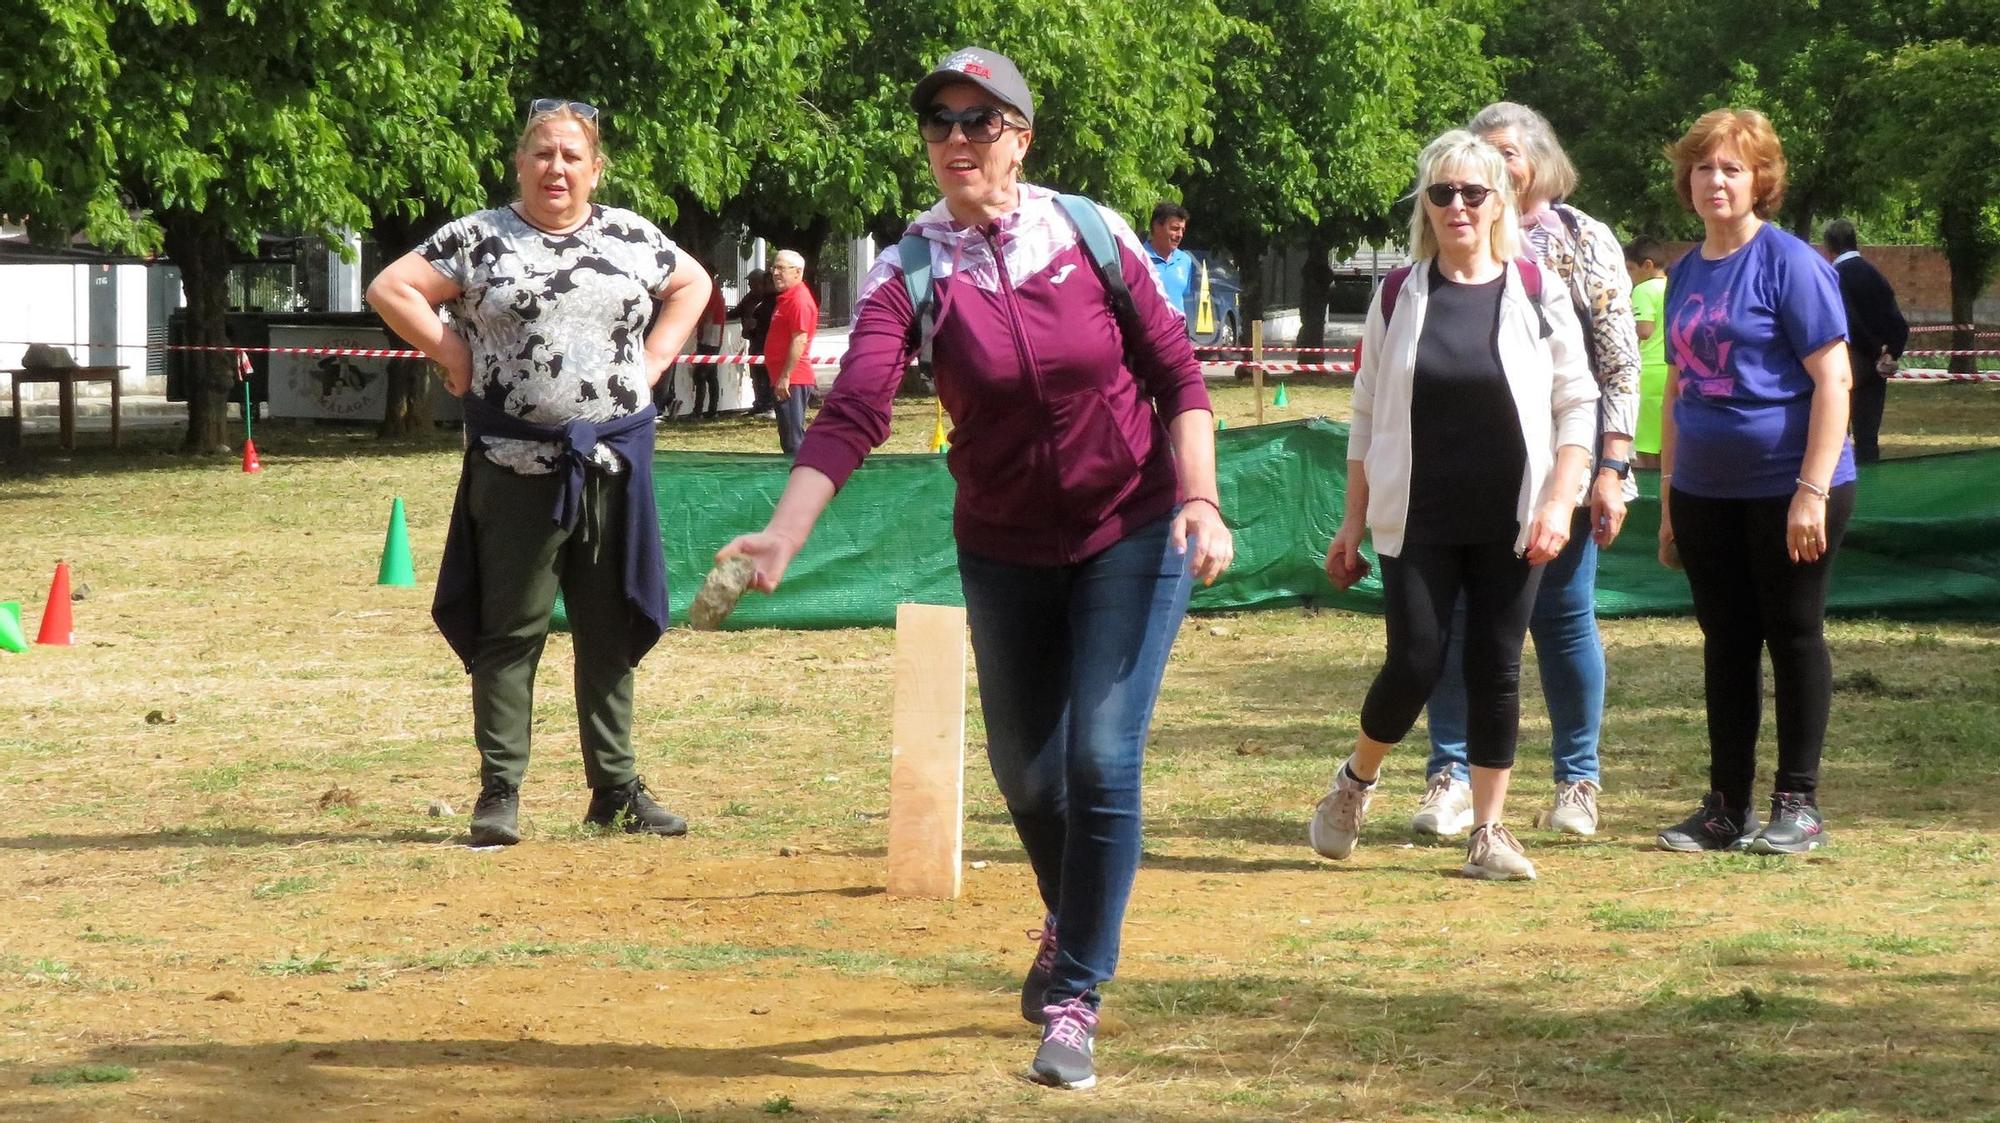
[{"x": 1921, "y": 279}]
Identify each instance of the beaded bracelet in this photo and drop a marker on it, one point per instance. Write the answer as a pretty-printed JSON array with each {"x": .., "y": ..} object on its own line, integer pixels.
[{"x": 1202, "y": 499}]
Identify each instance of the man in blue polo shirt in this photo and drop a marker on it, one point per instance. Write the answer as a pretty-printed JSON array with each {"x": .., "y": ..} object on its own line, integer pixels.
[{"x": 1174, "y": 265}]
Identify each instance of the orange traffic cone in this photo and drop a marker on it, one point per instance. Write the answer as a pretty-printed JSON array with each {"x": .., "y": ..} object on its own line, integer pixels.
[
  {"x": 57, "y": 628},
  {"x": 250, "y": 461}
]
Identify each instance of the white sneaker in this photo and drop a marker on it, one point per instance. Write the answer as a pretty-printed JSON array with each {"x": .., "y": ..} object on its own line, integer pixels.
[
  {"x": 1575, "y": 811},
  {"x": 1493, "y": 854},
  {"x": 1446, "y": 809},
  {"x": 1336, "y": 821}
]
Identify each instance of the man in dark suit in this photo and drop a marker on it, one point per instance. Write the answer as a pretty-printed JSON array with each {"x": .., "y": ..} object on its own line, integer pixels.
[{"x": 1876, "y": 335}]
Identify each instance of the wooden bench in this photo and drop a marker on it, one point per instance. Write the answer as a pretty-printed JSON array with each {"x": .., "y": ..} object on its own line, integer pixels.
[{"x": 66, "y": 379}]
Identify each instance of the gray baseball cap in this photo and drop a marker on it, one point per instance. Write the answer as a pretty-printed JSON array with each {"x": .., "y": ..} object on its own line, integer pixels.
[{"x": 989, "y": 70}]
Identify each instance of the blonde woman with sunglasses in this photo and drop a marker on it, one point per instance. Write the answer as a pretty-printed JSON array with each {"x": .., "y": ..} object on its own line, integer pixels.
[{"x": 1474, "y": 416}]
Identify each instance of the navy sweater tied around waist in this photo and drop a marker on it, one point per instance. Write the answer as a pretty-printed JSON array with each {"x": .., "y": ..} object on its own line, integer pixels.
[{"x": 456, "y": 606}]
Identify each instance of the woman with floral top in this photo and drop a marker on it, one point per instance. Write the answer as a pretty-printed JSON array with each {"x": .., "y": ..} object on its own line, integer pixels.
[{"x": 548, "y": 348}]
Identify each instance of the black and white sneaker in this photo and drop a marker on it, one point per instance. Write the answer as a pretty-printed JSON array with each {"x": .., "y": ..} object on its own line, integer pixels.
[
  {"x": 1069, "y": 1040},
  {"x": 1796, "y": 827},
  {"x": 1713, "y": 826}
]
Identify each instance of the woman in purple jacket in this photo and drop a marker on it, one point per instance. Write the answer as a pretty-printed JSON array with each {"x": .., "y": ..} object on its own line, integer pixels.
[{"x": 1084, "y": 457}]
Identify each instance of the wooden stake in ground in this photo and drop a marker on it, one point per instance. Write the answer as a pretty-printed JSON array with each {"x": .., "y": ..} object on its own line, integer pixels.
[
  {"x": 1257, "y": 357},
  {"x": 927, "y": 752}
]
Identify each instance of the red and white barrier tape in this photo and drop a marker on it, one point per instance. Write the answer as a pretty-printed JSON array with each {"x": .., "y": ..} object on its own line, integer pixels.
[
  {"x": 1944, "y": 376},
  {"x": 374, "y": 352},
  {"x": 1986, "y": 353},
  {"x": 1276, "y": 348},
  {"x": 1916, "y": 329}
]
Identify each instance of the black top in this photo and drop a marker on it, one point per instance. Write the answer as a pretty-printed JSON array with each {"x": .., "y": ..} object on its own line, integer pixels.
[
  {"x": 1874, "y": 321},
  {"x": 1466, "y": 451}
]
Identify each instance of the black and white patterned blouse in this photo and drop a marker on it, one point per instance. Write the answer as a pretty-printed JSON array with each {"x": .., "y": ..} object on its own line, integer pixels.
[{"x": 556, "y": 322}]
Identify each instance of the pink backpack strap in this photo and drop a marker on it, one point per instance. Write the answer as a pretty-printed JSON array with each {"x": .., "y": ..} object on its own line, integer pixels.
[{"x": 1392, "y": 287}]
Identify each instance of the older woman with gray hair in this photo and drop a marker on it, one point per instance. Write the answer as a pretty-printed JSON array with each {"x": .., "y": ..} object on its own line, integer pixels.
[
  {"x": 1585, "y": 258},
  {"x": 1474, "y": 411}
]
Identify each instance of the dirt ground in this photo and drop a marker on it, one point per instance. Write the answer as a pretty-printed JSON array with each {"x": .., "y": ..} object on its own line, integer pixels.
[{"x": 225, "y": 897}]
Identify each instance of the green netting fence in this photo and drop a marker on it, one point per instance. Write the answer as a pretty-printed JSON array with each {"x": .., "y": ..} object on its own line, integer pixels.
[{"x": 1924, "y": 543}]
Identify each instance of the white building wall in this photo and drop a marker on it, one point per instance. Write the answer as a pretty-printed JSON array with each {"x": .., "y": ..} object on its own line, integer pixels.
[
  {"x": 51, "y": 304},
  {"x": 132, "y": 327}
]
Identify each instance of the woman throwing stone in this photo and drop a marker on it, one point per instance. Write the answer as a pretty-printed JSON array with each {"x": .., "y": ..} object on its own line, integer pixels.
[{"x": 1083, "y": 450}]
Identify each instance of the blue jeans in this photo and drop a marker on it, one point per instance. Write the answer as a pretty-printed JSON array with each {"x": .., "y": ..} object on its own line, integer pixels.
[
  {"x": 1571, "y": 656},
  {"x": 1069, "y": 660}
]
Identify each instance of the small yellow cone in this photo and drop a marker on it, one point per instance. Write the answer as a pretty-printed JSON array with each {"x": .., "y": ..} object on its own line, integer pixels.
[{"x": 940, "y": 442}]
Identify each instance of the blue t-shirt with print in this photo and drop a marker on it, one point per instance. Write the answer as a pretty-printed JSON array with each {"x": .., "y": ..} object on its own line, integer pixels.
[{"x": 1738, "y": 330}]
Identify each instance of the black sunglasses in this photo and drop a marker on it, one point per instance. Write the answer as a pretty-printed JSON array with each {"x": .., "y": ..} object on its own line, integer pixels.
[
  {"x": 1440, "y": 193},
  {"x": 582, "y": 109},
  {"x": 982, "y": 124}
]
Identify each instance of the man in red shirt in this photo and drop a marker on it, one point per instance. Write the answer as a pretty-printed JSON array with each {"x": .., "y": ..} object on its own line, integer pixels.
[{"x": 786, "y": 345}]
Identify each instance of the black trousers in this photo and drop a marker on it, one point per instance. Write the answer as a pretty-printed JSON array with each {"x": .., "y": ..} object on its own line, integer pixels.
[
  {"x": 1865, "y": 403},
  {"x": 1750, "y": 596},
  {"x": 1419, "y": 589}
]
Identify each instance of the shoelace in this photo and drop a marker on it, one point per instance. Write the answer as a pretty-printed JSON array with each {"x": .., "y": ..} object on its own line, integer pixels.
[
  {"x": 1440, "y": 787},
  {"x": 1575, "y": 795},
  {"x": 1070, "y": 1024},
  {"x": 1045, "y": 955},
  {"x": 1496, "y": 834}
]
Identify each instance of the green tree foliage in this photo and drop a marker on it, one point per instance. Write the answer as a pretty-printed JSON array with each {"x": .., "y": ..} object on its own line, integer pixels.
[
  {"x": 1321, "y": 107},
  {"x": 198, "y": 125},
  {"x": 1938, "y": 124}
]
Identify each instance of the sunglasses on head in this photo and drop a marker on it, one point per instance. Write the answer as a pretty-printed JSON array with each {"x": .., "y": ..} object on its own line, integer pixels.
[
  {"x": 1440, "y": 193},
  {"x": 582, "y": 109},
  {"x": 982, "y": 124}
]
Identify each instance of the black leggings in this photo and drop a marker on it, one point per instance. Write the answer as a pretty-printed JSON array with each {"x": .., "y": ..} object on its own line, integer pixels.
[
  {"x": 1750, "y": 595},
  {"x": 1418, "y": 592}
]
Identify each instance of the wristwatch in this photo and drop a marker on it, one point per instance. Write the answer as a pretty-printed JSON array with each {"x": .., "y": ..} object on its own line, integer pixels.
[{"x": 1621, "y": 467}]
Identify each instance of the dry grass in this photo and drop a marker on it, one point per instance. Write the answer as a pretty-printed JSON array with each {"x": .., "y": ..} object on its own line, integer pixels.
[{"x": 182, "y": 906}]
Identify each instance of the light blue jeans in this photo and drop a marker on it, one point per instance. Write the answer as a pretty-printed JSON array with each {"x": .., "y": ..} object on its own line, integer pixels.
[{"x": 1571, "y": 656}]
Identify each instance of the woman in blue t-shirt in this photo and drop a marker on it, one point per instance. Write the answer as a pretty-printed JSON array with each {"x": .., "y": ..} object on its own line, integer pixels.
[{"x": 1757, "y": 476}]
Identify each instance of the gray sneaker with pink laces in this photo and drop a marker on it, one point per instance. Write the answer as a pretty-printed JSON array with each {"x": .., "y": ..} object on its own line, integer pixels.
[{"x": 1067, "y": 1058}]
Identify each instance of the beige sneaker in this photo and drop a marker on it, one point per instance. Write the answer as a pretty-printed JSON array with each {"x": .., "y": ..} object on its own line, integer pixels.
[
  {"x": 1446, "y": 809},
  {"x": 1495, "y": 855},
  {"x": 1336, "y": 821},
  {"x": 1575, "y": 811}
]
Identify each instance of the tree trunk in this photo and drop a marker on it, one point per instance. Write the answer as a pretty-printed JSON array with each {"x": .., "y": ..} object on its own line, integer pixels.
[
  {"x": 1250, "y": 300},
  {"x": 199, "y": 245},
  {"x": 1315, "y": 292},
  {"x": 407, "y": 411},
  {"x": 1972, "y": 252},
  {"x": 407, "y": 408}
]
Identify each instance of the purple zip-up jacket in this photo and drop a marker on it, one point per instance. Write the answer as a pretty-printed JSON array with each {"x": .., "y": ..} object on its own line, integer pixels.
[{"x": 1059, "y": 442}]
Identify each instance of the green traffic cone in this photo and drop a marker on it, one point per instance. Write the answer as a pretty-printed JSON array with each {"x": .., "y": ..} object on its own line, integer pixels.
[
  {"x": 12, "y": 638},
  {"x": 1221, "y": 423},
  {"x": 397, "y": 568},
  {"x": 1278, "y": 400}
]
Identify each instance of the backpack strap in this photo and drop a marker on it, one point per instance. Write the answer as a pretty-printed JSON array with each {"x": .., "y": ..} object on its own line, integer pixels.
[
  {"x": 1531, "y": 283},
  {"x": 1392, "y": 287},
  {"x": 1102, "y": 245},
  {"x": 913, "y": 253}
]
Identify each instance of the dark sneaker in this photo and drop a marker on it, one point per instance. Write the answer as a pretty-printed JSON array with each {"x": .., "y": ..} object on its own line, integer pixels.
[
  {"x": 1713, "y": 826},
  {"x": 496, "y": 817},
  {"x": 1796, "y": 827},
  {"x": 1037, "y": 983},
  {"x": 1069, "y": 1038},
  {"x": 631, "y": 807}
]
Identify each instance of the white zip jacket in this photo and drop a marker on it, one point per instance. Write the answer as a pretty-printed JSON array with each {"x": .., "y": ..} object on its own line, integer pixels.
[{"x": 1554, "y": 395}]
